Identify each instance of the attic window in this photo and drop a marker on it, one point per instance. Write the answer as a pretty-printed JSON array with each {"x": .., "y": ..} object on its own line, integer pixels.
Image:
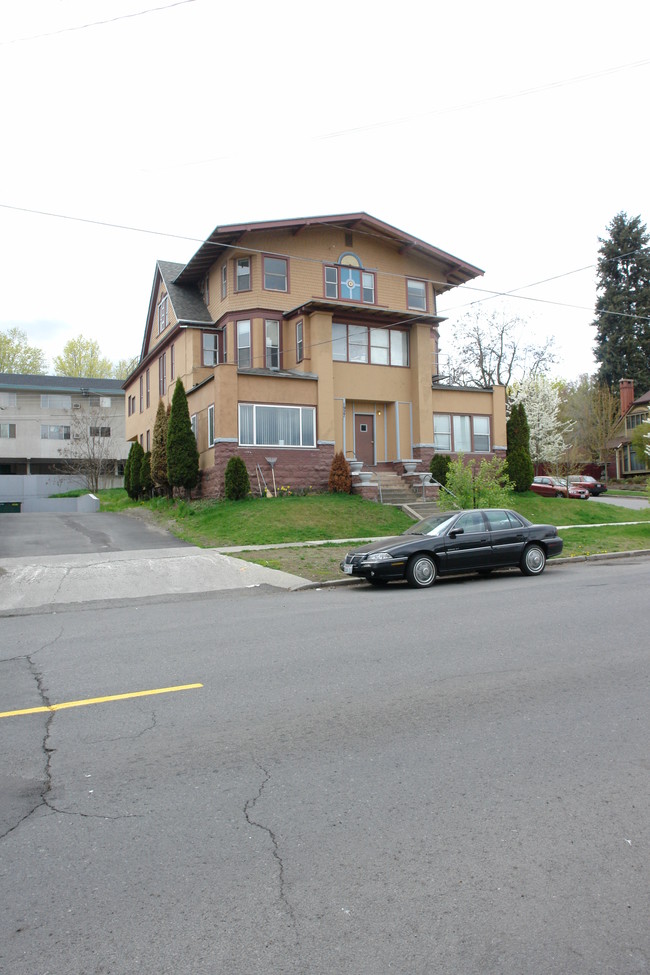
[{"x": 163, "y": 320}]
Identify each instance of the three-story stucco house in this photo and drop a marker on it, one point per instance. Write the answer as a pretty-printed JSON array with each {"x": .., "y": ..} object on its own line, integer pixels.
[{"x": 298, "y": 338}]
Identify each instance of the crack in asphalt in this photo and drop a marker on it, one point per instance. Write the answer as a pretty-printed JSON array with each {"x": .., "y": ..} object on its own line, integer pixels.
[{"x": 275, "y": 848}]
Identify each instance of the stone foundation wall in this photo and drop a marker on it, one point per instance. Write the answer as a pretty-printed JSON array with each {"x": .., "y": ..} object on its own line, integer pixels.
[{"x": 296, "y": 469}]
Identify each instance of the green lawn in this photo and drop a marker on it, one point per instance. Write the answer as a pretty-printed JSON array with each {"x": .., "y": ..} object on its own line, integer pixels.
[{"x": 322, "y": 517}]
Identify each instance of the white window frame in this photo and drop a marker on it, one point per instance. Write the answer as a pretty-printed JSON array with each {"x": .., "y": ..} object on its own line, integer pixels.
[
  {"x": 448, "y": 433},
  {"x": 442, "y": 432},
  {"x": 163, "y": 314},
  {"x": 193, "y": 424},
  {"x": 331, "y": 281},
  {"x": 224, "y": 280},
  {"x": 56, "y": 401},
  {"x": 300, "y": 340},
  {"x": 243, "y": 329},
  {"x": 413, "y": 286},
  {"x": 240, "y": 263},
  {"x": 347, "y": 345},
  {"x": 272, "y": 344},
  {"x": 60, "y": 428},
  {"x": 306, "y": 420},
  {"x": 275, "y": 280},
  {"x": 211, "y": 425},
  {"x": 213, "y": 349},
  {"x": 7, "y": 400},
  {"x": 7, "y": 431}
]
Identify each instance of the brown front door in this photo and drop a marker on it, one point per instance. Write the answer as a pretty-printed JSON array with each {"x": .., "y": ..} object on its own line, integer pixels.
[{"x": 364, "y": 438}]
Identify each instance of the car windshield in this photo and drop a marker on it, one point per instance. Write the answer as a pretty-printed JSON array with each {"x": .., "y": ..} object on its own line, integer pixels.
[{"x": 434, "y": 525}]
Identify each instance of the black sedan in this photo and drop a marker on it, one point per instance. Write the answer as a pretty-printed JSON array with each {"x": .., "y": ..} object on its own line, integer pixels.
[{"x": 449, "y": 543}]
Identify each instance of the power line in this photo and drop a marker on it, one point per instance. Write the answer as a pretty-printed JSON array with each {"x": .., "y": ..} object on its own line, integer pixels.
[
  {"x": 95, "y": 23},
  {"x": 489, "y": 293}
]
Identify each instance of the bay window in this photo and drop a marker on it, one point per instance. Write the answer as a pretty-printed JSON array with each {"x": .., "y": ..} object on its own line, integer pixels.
[{"x": 276, "y": 426}]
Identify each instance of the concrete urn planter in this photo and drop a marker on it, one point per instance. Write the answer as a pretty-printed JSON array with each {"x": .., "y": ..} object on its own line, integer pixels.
[
  {"x": 355, "y": 466},
  {"x": 365, "y": 476},
  {"x": 410, "y": 465}
]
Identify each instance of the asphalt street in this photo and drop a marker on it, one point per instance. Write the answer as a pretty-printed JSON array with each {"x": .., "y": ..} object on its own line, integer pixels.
[{"x": 444, "y": 781}]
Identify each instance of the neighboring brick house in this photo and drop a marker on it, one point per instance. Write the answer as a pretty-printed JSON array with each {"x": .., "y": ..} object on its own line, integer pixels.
[
  {"x": 634, "y": 412},
  {"x": 41, "y": 417},
  {"x": 298, "y": 338}
]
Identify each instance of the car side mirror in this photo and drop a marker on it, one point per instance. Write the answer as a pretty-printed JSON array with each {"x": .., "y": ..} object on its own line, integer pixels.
[{"x": 456, "y": 531}]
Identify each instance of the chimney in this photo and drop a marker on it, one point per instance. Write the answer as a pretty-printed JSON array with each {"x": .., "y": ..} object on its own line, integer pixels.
[{"x": 627, "y": 394}]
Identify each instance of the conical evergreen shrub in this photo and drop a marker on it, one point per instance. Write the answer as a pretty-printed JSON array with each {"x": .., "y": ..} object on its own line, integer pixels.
[
  {"x": 237, "y": 482},
  {"x": 159, "y": 450},
  {"x": 340, "y": 479},
  {"x": 182, "y": 452}
]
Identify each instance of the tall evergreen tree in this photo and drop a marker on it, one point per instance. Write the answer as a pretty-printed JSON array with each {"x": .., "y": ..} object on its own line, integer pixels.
[
  {"x": 136, "y": 455},
  {"x": 182, "y": 453},
  {"x": 518, "y": 462},
  {"x": 159, "y": 450},
  {"x": 623, "y": 303}
]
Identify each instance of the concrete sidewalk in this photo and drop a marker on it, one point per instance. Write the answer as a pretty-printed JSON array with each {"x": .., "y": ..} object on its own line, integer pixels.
[{"x": 27, "y": 583}]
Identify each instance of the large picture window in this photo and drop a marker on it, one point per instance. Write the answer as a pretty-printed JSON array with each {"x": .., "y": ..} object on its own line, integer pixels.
[
  {"x": 378, "y": 346},
  {"x": 461, "y": 434},
  {"x": 276, "y": 426},
  {"x": 54, "y": 432}
]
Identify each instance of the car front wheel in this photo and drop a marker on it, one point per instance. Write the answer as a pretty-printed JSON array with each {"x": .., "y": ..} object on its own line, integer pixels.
[
  {"x": 533, "y": 560},
  {"x": 421, "y": 572}
]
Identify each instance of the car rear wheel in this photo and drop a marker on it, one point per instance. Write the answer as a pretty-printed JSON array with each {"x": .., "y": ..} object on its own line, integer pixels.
[
  {"x": 533, "y": 560},
  {"x": 421, "y": 572},
  {"x": 559, "y": 494}
]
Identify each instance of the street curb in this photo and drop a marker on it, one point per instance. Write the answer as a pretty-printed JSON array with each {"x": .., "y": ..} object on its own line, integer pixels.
[{"x": 599, "y": 557}]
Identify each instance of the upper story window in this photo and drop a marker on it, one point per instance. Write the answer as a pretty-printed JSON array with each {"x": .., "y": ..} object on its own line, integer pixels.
[
  {"x": 224, "y": 280},
  {"x": 206, "y": 289},
  {"x": 148, "y": 389},
  {"x": 299, "y": 342},
  {"x": 210, "y": 349},
  {"x": 100, "y": 431},
  {"x": 272, "y": 344},
  {"x": 162, "y": 314},
  {"x": 172, "y": 362},
  {"x": 633, "y": 420},
  {"x": 416, "y": 295},
  {"x": 348, "y": 281},
  {"x": 461, "y": 434},
  {"x": 100, "y": 402},
  {"x": 141, "y": 394},
  {"x": 243, "y": 274},
  {"x": 54, "y": 432},
  {"x": 162, "y": 374},
  {"x": 244, "y": 358},
  {"x": 7, "y": 399},
  {"x": 378, "y": 346},
  {"x": 276, "y": 274},
  {"x": 56, "y": 401},
  {"x": 8, "y": 431}
]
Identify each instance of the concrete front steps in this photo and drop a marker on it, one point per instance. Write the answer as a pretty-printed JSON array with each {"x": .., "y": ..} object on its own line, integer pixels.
[{"x": 394, "y": 490}]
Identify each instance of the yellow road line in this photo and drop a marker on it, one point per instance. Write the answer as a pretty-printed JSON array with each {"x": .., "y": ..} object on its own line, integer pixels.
[{"x": 98, "y": 700}]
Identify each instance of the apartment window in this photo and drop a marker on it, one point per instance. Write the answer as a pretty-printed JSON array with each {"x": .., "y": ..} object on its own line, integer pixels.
[
  {"x": 8, "y": 431},
  {"x": 243, "y": 274},
  {"x": 275, "y": 274},
  {"x": 350, "y": 284},
  {"x": 100, "y": 431},
  {"x": 461, "y": 434},
  {"x": 7, "y": 399},
  {"x": 54, "y": 432},
  {"x": 378, "y": 346},
  {"x": 148, "y": 440},
  {"x": 162, "y": 374},
  {"x": 210, "y": 425},
  {"x": 193, "y": 424},
  {"x": 162, "y": 314},
  {"x": 224, "y": 280},
  {"x": 206, "y": 289},
  {"x": 142, "y": 440},
  {"x": 148, "y": 384},
  {"x": 272, "y": 344},
  {"x": 299, "y": 342},
  {"x": 56, "y": 402},
  {"x": 141, "y": 394},
  {"x": 210, "y": 349},
  {"x": 277, "y": 426},
  {"x": 244, "y": 358},
  {"x": 416, "y": 295},
  {"x": 172, "y": 362},
  {"x": 102, "y": 403}
]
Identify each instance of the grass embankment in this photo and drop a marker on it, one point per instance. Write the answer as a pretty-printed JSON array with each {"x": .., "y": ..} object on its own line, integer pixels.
[{"x": 281, "y": 521}]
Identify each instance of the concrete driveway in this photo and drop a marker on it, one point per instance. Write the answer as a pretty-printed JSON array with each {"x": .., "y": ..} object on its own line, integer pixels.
[
  {"x": 633, "y": 504},
  {"x": 50, "y": 559}
]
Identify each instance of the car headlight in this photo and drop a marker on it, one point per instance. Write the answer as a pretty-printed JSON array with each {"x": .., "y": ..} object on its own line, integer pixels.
[{"x": 379, "y": 557}]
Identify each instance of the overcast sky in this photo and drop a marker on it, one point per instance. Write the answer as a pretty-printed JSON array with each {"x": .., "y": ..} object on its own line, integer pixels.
[{"x": 506, "y": 133}]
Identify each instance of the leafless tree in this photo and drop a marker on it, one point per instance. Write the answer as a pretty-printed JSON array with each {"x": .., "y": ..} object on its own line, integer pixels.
[
  {"x": 492, "y": 349},
  {"x": 93, "y": 450},
  {"x": 594, "y": 410}
]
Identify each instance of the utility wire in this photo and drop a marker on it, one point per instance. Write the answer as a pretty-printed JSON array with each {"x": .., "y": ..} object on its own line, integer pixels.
[{"x": 95, "y": 23}]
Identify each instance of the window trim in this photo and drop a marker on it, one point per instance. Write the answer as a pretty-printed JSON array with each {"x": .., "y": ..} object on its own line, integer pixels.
[
  {"x": 285, "y": 261},
  {"x": 163, "y": 314},
  {"x": 451, "y": 433},
  {"x": 300, "y": 341},
  {"x": 214, "y": 350},
  {"x": 340, "y": 296},
  {"x": 236, "y": 263},
  {"x": 277, "y": 406},
  {"x": 211, "y": 425},
  {"x": 244, "y": 321},
  {"x": 162, "y": 374},
  {"x": 424, "y": 284}
]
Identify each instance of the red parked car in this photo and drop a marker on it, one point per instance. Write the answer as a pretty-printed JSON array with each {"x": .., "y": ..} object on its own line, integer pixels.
[
  {"x": 588, "y": 483},
  {"x": 556, "y": 487}
]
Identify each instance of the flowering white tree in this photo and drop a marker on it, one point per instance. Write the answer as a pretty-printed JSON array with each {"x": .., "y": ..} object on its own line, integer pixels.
[{"x": 547, "y": 431}]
